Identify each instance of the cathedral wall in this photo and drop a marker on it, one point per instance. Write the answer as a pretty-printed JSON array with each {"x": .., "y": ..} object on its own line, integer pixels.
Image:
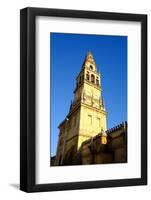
[
  {"x": 102, "y": 158},
  {"x": 82, "y": 138},
  {"x": 117, "y": 142},
  {"x": 73, "y": 125},
  {"x": 120, "y": 155},
  {"x": 59, "y": 148},
  {"x": 86, "y": 160},
  {"x": 70, "y": 151},
  {"x": 71, "y": 144},
  {"x": 68, "y": 131},
  {"x": 114, "y": 151},
  {"x": 91, "y": 121},
  {"x": 86, "y": 156}
]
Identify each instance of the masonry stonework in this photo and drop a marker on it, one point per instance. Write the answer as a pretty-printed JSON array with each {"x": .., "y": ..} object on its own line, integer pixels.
[{"x": 83, "y": 136}]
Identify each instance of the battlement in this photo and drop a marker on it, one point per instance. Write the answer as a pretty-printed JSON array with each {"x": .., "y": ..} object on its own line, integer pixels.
[{"x": 118, "y": 127}]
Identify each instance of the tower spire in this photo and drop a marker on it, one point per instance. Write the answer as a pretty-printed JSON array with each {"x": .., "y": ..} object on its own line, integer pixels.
[{"x": 89, "y": 61}]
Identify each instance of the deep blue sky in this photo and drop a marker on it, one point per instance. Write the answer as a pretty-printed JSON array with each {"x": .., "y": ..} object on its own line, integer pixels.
[{"x": 67, "y": 53}]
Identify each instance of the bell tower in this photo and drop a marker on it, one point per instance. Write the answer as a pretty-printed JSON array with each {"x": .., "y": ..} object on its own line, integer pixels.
[
  {"x": 88, "y": 85},
  {"x": 87, "y": 114}
]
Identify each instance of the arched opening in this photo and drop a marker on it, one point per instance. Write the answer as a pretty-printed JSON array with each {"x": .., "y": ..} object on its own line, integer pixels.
[
  {"x": 87, "y": 76},
  {"x": 92, "y": 78},
  {"x": 91, "y": 67}
]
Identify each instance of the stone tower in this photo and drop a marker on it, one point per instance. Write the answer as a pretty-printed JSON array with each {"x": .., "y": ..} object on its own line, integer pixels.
[{"x": 87, "y": 115}]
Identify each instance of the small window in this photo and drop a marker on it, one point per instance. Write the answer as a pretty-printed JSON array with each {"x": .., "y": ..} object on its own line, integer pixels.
[
  {"x": 92, "y": 78},
  {"x": 91, "y": 67},
  {"x": 87, "y": 76}
]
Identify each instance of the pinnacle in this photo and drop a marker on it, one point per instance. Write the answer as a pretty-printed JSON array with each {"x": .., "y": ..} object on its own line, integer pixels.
[{"x": 89, "y": 55}]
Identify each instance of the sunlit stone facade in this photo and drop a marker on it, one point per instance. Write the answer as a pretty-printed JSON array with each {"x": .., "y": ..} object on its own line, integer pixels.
[{"x": 83, "y": 136}]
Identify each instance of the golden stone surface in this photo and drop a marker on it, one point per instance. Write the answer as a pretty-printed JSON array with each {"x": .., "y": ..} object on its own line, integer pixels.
[{"x": 79, "y": 139}]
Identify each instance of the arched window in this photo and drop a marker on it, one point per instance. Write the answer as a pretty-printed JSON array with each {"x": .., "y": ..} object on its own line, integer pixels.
[
  {"x": 91, "y": 67},
  {"x": 97, "y": 81},
  {"x": 92, "y": 78},
  {"x": 87, "y": 76}
]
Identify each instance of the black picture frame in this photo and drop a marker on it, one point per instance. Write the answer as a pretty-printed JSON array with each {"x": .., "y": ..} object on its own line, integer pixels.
[{"x": 28, "y": 99}]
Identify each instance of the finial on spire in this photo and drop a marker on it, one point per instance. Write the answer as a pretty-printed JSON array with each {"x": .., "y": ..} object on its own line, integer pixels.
[{"x": 89, "y": 55}]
